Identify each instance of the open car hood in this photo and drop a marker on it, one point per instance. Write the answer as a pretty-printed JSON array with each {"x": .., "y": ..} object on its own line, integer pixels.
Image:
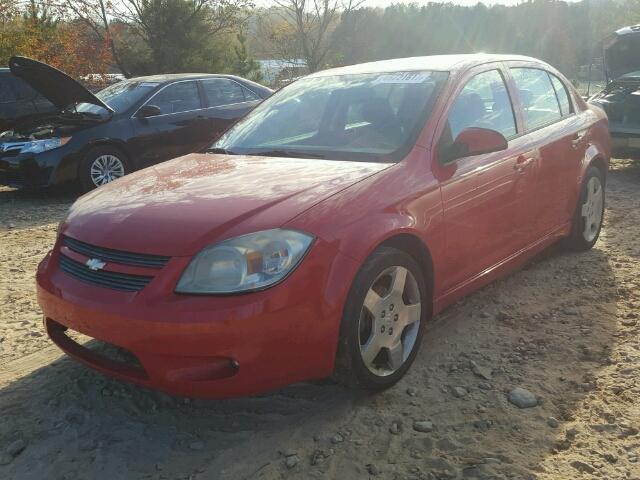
[
  {"x": 56, "y": 86},
  {"x": 621, "y": 52}
]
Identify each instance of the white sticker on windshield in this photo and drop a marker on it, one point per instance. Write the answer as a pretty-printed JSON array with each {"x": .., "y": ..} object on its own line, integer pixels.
[
  {"x": 404, "y": 77},
  {"x": 149, "y": 84}
]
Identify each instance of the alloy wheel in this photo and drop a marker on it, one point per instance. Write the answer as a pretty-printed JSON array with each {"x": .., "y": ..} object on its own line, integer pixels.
[
  {"x": 592, "y": 209},
  {"x": 389, "y": 321},
  {"x": 105, "y": 169}
]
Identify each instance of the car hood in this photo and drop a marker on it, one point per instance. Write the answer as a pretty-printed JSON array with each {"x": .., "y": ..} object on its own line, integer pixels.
[
  {"x": 622, "y": 52},
  {"x": 56, "y": 86},
  {"x": 176, "y": 208}
]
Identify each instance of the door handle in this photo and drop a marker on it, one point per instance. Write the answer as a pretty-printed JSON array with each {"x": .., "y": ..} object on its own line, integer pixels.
[{"x": 522, "y": 163}]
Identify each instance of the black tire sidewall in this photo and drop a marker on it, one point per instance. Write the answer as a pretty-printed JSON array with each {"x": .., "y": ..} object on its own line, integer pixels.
[
  {"x": 349, "y": 347},
  {"x": 85, "y": 167},
  {"x": 576, "y": 239}
]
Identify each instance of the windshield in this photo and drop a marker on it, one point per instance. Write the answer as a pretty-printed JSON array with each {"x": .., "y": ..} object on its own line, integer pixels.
[
  {"x": 367, "y": 117},
  {"x": 120, "y": 96}
]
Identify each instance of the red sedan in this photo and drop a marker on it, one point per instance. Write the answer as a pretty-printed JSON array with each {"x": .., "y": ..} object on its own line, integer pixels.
[{"x": 322, "y": 232}]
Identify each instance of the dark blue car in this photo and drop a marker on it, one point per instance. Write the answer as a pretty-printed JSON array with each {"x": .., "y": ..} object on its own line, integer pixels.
[{"x": 94, "y": 139}]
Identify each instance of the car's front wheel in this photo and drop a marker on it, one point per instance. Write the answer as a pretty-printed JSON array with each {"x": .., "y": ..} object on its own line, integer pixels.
[
  {"x": 383, "y": 321},
  {"x": 102, "y": 165}
]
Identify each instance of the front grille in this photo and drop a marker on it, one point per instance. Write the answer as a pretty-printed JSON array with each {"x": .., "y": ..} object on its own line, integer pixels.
[
  {"x": 116, "y": 256},
  {"x": 114, "y": 280}
]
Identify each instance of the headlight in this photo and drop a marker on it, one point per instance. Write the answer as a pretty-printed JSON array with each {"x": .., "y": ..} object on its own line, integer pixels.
[
  {"x": 39, "y": 146},
  {"x": 249, "y": 262}
]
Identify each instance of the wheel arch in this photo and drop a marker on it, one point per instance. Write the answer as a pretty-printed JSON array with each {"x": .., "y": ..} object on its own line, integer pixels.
[
  {"x": 105, "y": 142},
  {"x": 414, "y": 246}
]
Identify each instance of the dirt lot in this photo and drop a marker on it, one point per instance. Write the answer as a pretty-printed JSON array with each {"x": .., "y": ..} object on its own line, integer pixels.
[{"x": 566, "y": 328}]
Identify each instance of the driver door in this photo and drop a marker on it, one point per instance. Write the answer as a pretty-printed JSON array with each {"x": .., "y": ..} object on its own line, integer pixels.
[{"x": 486, "y": 198}]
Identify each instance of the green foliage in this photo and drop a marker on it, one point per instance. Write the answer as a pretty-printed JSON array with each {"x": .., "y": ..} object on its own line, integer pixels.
[{"x": 243, "y": 64}]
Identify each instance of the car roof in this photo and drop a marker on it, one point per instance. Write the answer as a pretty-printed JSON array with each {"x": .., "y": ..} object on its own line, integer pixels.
[
  {"x": 445, "y": 63},
  {"x": 172, "y": 77}
]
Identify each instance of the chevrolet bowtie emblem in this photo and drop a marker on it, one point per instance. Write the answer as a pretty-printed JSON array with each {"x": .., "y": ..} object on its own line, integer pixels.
[{"x": 95, "y": 264}]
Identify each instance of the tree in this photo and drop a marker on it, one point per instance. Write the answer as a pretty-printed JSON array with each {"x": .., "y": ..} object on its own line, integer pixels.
[
  {"x": 311, "y": 24},
  {"x": 96, "y": 14},
  {"x": 180, "y": 33},
  {"x": 243, "y": 64}
]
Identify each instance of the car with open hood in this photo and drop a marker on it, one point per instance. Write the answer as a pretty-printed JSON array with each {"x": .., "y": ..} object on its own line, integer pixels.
[
  {"x": 19, "y": 102},
  {"x": 322, "y": 232},
  {"x": 621, "y": 96},
  {"x": 96, "y": 138}
]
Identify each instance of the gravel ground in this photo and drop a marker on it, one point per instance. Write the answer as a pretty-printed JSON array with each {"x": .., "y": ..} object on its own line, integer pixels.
[{"x": 559, "y": 338}]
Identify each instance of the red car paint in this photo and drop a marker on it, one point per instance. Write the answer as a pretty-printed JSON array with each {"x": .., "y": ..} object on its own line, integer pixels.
[{"x": 475, "y": 219}]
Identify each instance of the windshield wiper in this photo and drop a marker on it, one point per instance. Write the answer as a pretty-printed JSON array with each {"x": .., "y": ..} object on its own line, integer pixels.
[
  {"x": 285, "y": 153},
  {"x": 220, "y": 150}
]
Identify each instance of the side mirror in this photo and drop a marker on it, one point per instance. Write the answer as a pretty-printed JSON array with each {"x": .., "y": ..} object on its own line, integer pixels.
[
  {"x": 473, "y": 141},
  {"x": 148, "y": 111}
]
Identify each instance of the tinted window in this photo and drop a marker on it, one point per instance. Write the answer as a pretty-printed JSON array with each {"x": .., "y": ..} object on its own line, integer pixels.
[
  {"x": 7, "y": 93},
  {"x": 177, "y": 97},
  {"x": 483, "y": 102},
  {"x": 537, "y": 95},
  {"x": 221, "y": 91},
  {"x": 350, "y": 117},
  {"x": 563, "y": 96}
]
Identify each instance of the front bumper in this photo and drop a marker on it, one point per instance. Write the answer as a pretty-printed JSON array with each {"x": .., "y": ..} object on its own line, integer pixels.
[
  {"x": 206, "y": 346},
  {"x": 41, "y": 169}
]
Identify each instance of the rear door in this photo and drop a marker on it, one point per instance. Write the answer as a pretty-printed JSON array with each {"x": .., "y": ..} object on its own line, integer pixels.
[
  {"x": 179, "y": 128},
  {"x": 552, "y": 126},
  {"x": 227, "y": 101},
  {"x": 485, "y": 197}
]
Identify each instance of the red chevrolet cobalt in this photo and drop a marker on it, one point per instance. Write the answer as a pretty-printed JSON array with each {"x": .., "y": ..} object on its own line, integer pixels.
[{"x": 322, "y": 232}]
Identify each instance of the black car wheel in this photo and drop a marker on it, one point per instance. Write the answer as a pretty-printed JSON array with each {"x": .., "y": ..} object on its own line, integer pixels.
[
  {"x": 102, "y": 165},
  {"x": 383, "y": 321}
]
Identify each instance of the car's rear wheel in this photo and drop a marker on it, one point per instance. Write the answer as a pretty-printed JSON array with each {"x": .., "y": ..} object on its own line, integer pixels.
[
  {"x": 589, "y": 214},
  {"x": 102, "y": 165},
  {"x": 383, "y": 321}
]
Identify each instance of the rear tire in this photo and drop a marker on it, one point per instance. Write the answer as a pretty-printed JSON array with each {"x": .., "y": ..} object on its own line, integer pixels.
[
  {"x": 589, "y": 214},
  {"x": 102, "y": 165},
  {"x": 383, "y": 321}
]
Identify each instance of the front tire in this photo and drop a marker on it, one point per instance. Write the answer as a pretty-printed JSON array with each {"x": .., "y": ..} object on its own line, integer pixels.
[
  {"x": 102, "y": 165},
  {"x": 383, "y": 321},
  {"x": 587, "y": 219}
]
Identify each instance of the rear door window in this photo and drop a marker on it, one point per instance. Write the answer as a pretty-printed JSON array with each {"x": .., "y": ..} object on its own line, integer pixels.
[
  {"x": 562, "y": 94},
  {"x": 483, "y": 103},
  {"x": 222, "y": 91},
  {"x": 538, "y": 97}
]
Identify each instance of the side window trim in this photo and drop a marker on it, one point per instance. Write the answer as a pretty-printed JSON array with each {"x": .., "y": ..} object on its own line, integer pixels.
[
  {"x": 566, "y": 92},
  {"x": 167, "y": 86},
  {"x": 242, "y": 89}
]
